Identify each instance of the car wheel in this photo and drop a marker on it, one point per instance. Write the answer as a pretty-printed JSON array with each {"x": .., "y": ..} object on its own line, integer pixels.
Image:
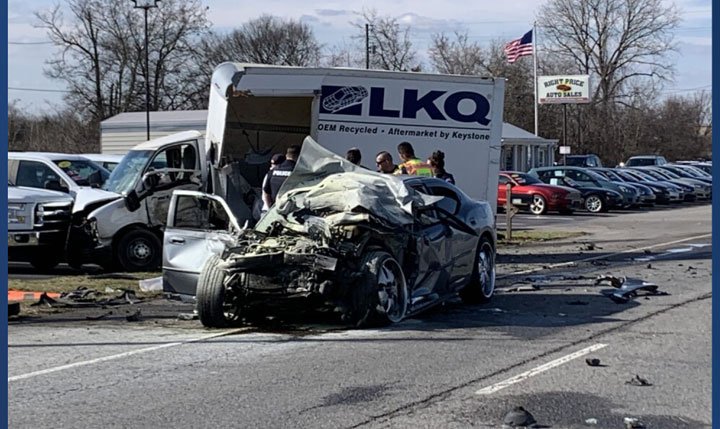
[
  {"x": 481, "y": 287},
  {"x": 218, "y": 305},
  {"x": 382, "y": 296},
  {"x": 594, "y": 204},
  {"x": 538, "y": 205},
  {"x": 139, "y": 250}
]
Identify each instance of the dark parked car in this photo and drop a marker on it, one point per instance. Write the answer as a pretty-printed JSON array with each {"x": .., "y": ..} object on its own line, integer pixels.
[
  {"x": 372, "y": 247},
  {"x": 538, "y": 197},
  {"x": 667, "y": 192},
  {"x": 585, "y": 177},
  {"x": 590, "y": 160},
  {"x": 643, "y": 160}
]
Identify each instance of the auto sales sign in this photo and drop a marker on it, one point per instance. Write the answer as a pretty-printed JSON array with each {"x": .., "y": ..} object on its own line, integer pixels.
[{"x": 570, "y": 89}]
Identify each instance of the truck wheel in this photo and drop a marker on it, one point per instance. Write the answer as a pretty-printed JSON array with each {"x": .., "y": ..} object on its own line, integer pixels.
[
  {"x": 481, "y": 287},
  {"x": 594, "y": 204},
  {"x": 218, "y": 306},
  {"x": 538, "y": 205},
  {"x": 44, "y": 262},
  {"x": 381, "y": 297},
  {"x": 139, "y": 250}
]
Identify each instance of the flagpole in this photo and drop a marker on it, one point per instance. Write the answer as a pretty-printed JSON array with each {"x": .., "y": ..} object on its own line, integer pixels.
[{"x": 534, "y": 39}]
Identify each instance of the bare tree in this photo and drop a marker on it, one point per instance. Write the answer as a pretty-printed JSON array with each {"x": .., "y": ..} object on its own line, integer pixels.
[
  {"x": 458, "y": 56},
  {"x": 101, "y": 54},
  {"x": 389, "y": 42},
  {"x": 60, "y": 131},
  {"x": 616, "y": 41},
  {"x": 265, "y": 40}
]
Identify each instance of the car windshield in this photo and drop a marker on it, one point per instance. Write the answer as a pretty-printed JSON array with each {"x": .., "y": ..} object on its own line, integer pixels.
[
  {"x": 124, "y": 177},
  {"x": 524, "y": 179},
  {"x": 595, "y": 175},
  {"x": 83, "y": 172},
  {"x": 613, "y": 176},
  {"x": 668, "y": 174},
  {"x": 643, "y": 176}
]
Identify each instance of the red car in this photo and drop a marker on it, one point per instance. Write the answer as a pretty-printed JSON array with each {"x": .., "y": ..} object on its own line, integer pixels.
[{"x": 538, "y": 197}]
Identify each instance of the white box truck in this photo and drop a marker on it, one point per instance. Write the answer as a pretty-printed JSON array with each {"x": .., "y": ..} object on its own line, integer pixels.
[{"x": 256, "y": 111}]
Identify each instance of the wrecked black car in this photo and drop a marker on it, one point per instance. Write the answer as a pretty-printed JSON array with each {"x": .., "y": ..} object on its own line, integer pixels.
[{"x": 374, "y": 248}]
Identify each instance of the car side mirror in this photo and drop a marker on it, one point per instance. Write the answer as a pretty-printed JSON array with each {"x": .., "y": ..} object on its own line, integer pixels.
[
  {"x": 55, "y": 185},
  {"x": 132, "y": 202},
  {"x": 150, "y": 180}
]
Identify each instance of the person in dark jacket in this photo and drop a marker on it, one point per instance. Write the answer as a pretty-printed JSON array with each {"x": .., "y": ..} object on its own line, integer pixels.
[
  {"x": 385, "y": 164},
  {"x": 276, "y": 160},
  {"x": 280, "y": 173},
  {"x": 437, "y": 164}
]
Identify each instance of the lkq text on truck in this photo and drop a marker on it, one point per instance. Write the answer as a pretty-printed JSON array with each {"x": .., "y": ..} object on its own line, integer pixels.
[{"x": 256, "y": 111}]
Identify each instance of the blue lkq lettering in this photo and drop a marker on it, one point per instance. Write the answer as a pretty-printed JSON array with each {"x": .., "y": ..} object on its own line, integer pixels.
[
  {"x": 482, "y": 107},
  {"x": 377, "y": 104},
  {"x": 412, "y": 104}
]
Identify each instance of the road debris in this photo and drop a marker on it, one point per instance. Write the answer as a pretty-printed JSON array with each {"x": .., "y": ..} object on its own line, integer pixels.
[
  {"x": 13, "y": 309},
  {"x": 134, "y": 317},
  {"x": 627, "y": 287},
  {"x": 591, "y": 421},
  {"x": 593, "y": 362},
  {"x": 187, "y": 316},
  {"x": 519, "y": 417},
  {"x": 524, "y": 288},
  {"x": 151, "y": 285},
  {"x": 633, "y": 423},
  {"x": 100, "y": 316},
  {"x": 638, "y": 381}
]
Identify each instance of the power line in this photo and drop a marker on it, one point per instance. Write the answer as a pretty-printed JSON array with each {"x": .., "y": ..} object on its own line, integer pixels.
[{"x": 36, "y": 90}]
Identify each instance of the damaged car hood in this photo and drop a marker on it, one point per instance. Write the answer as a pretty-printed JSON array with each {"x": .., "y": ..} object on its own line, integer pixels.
[
  {"x": 86, "y": 196},
  {"x": 323, "y": 182}
]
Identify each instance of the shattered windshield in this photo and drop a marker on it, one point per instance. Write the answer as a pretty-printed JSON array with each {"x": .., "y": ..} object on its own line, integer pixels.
[{"x": 124, "y": 177}]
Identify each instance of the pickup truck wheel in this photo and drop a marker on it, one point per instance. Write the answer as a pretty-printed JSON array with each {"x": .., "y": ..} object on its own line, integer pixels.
[
  {"x": 139, "y": 250},
  {"x": 217, "y": 304},
  {"x": 481, "y": 287},
  {"x": 44, "y": 262},
  {"x": 381, "y": 297}
]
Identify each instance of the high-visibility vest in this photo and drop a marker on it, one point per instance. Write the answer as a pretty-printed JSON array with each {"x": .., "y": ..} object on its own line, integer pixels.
[{"x": 415, "y": 167}]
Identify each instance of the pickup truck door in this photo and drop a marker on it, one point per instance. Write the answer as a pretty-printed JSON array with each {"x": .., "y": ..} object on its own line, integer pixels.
[{"x": 198, "y": 226}]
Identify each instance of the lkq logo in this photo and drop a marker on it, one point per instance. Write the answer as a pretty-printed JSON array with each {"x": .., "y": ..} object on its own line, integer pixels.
[{"x": 349, "y": 100}]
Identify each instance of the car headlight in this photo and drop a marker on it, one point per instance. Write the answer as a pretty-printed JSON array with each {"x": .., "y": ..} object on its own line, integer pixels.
[
  {"x": 15, "y": 213},
  {"x": 624, "y": 189}
]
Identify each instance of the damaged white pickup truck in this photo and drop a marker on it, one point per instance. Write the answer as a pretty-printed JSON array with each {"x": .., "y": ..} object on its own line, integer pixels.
[{"x": 372, "y": 247}]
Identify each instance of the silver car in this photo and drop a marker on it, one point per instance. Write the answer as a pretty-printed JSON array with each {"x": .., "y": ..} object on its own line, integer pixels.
[{"x": 374, "y": 248}]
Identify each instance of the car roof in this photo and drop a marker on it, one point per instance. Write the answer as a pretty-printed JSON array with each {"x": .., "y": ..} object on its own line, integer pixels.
[
  {"x": 48, "y": 156},
  {"x": 103, "y": 157}
]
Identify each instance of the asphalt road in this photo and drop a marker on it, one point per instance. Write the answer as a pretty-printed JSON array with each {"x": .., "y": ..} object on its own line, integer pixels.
[{"x": 454, "y": 367}]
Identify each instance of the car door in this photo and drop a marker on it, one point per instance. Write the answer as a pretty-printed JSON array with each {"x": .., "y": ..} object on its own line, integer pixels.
[
  {"x": 176, "y": 167},
  {"x": 502, "y": 190},
  {"x": 461, "y": 239},
  {"x": 198, "y": 226},
  {"x": 434, "y": 253}
]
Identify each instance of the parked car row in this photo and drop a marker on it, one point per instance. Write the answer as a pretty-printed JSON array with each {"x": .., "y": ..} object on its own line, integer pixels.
[{"x": 600, "y": 189}]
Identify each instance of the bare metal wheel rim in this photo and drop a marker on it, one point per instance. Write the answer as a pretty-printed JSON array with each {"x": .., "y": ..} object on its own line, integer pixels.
[
  {"x": 140, "y": 250},
  {"x": 392, "y": 290},
  {"x": 231, "y": 304},
  {"x": 486, "y": 270},
  {"x": 593, "y": 203},
  {"x": 538, "y": 204}
]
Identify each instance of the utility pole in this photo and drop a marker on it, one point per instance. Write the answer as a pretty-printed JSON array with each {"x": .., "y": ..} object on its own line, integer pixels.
[
  {"x": 367, "y": 46},
  {"x": 145, "y": 5}
]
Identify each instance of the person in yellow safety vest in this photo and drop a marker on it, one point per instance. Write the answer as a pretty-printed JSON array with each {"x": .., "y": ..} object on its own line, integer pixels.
[{"x": 412, "y": 164}]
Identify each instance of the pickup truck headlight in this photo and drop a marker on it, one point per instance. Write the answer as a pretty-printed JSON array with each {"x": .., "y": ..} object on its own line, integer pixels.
[{"x": 14, "y": 213}]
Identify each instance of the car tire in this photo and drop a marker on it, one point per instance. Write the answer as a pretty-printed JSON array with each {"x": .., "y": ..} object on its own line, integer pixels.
[
  {"x": 217, "y": 306},
  {"x": 381, "y": 298},
  {"x": 481, "y": 286},
  {"x": 538, "y": 205},
  {"x": 139, "y": 250},
  {"x": 595, "y": 204}
]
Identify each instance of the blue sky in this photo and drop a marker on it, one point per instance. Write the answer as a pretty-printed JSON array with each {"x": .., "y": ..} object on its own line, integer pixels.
[{"x": 484, "y": 20}]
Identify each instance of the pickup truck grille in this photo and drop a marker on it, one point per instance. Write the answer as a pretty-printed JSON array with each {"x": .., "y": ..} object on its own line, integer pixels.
[{"x": 52, "y": 216}]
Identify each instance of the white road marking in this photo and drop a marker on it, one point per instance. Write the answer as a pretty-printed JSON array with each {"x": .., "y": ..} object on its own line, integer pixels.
[
  {"x": 120, "y": 355},
  {"x": 594, "y": 258},
  {"x": 535, "y": 371}
]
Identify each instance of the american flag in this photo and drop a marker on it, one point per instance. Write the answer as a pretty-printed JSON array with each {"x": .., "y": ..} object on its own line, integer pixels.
[{"x": 519, "y": 47}]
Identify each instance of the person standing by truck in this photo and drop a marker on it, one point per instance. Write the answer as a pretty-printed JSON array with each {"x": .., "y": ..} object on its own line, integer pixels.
[
  {"x": 385, "y": 164},
  {"x": 281, "y": 172},
  {"x": 411, "y": 163},
  {"x": 276, "y": 160},
  {"x": 437, "y": 164},
  {"x": 353, "y": 155}
]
